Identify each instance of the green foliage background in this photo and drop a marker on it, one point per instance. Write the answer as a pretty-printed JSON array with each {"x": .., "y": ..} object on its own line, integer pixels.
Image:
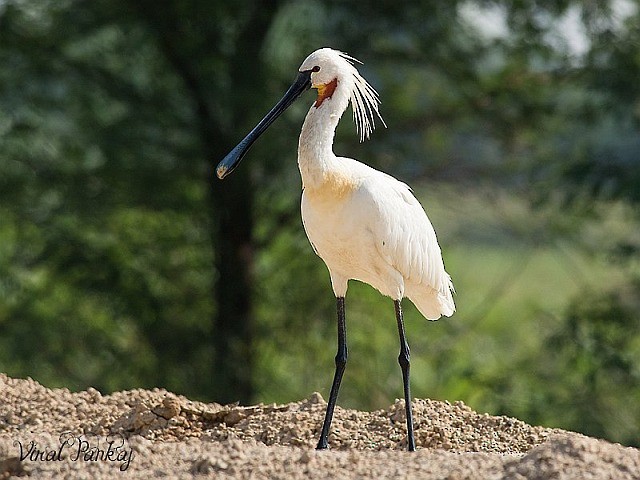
[{"x": 524, "y": 151}]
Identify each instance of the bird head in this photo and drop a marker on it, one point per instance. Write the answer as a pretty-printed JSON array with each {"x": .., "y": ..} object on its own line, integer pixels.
[
  {"x": 334, "y": 76},
  {"x": 334, "y": 73}
]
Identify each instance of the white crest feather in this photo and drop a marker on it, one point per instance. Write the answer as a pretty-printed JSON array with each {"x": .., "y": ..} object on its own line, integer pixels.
[{"x": 364, "y": 102}]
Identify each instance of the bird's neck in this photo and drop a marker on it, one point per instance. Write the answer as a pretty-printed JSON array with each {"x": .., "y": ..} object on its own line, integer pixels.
[{"x": 316, "y": 159}]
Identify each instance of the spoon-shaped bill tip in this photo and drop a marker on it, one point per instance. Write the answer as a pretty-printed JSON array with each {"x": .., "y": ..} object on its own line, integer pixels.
[{"x": 221, "y": 171}]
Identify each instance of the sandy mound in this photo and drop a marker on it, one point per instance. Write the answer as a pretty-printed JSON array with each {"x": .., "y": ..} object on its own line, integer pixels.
[{"x": 48, "y": 433}]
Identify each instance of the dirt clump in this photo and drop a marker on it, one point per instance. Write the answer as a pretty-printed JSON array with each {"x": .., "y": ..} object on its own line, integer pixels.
[{"x": 53, "y": 433}]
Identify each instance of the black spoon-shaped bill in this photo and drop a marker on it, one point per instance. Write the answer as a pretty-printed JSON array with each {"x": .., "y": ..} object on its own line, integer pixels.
[{"x": 231, "y": 161}]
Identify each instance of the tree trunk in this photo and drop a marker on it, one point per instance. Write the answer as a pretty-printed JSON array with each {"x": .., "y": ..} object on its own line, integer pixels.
[
  {"x": 230, "y": 202},
  {"x": 232, "y": 221}
]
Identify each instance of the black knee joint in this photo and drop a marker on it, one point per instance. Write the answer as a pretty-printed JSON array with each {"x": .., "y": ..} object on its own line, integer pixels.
[
  {"x": 404, "y": 359},
  {"x": 341, "y": 359}
]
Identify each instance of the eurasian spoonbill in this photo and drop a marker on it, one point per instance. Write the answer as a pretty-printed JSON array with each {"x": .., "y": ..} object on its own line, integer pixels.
[{"x": 363, "y": 223}]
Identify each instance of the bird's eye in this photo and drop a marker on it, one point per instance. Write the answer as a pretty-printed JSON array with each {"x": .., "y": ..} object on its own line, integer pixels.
[{"x": 316, "y": 69}]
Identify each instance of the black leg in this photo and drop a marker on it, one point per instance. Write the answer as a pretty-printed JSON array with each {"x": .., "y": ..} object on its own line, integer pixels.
[
  {"x": 403, "y": 360},
  {"x": 341, "y": 362}
]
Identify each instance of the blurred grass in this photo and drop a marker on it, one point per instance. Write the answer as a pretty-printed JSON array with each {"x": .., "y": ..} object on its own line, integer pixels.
[{"x": 515, "y": 273}]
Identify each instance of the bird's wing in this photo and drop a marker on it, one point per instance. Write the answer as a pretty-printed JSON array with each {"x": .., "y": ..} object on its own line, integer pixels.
[{"x": 404, "y": 235}]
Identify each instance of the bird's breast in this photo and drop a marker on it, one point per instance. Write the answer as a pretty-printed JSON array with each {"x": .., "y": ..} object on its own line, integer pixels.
[
  {"x": 327, "y": 188},
  {"x": 326, "y": 213},
  {"x": 339, "y": 231}
]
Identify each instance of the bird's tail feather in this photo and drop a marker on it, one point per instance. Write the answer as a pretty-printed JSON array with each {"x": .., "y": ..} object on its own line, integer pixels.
[{"x": 433, "y": 304}]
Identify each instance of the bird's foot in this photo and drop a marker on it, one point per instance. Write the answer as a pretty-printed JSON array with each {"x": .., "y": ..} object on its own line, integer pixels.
[
  {"x": 322, "y": 444},
  {"x": 411, "y": 444}
]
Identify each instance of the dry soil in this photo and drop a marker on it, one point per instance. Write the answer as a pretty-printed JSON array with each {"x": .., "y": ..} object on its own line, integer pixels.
[{"x": 53, "y": 433}]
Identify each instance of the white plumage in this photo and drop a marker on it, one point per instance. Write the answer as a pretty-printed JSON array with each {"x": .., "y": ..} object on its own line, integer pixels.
[{"x": 363, "y": 223}]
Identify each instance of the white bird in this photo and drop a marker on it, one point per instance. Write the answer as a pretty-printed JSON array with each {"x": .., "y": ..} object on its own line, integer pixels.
[{"x": 363, "y": 223}]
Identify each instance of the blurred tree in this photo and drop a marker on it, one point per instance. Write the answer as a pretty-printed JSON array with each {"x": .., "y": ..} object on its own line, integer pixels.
[
  {"x": 210, "y": 45},
  {"x": 597, "y": 352},
  {"x": 104, "y": 107},
  {"x": 105, "y": 242}
]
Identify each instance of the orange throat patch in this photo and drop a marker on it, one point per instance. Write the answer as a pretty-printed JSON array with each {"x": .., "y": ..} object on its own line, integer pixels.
[{"x": 325, "y": 91}]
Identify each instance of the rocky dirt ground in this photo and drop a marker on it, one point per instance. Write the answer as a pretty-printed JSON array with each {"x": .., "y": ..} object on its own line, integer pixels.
[{"x": 53, "y": 433}]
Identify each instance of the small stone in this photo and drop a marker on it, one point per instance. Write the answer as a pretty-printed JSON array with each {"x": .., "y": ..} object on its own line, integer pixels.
[
  {"x": 10, "y": 467},
  {"x": 170, "y": 408},
  {"x": 201, "y": 466},
  {"x": 315, "y": 398},
  {"x": 234, "y": 416},
  {"x": 305, "y": 457}
]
